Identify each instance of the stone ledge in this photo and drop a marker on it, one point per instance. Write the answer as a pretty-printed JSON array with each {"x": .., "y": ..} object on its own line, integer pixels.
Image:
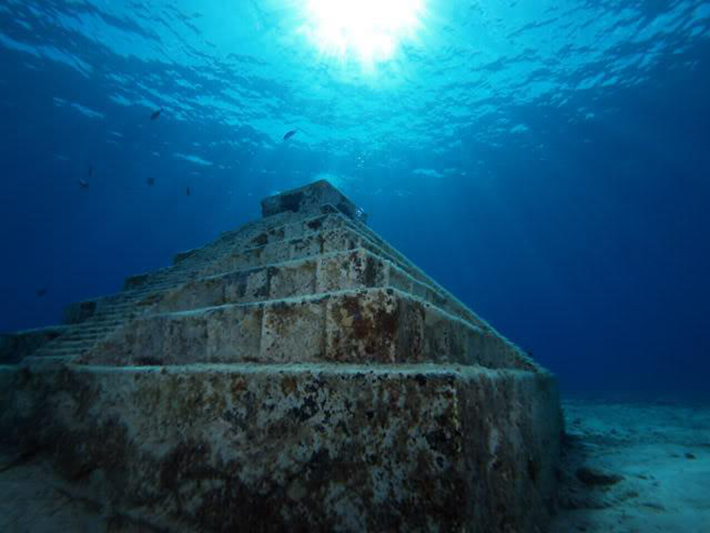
[
  {"x": 15, "y": 346},
  {"x": 338, "y": 239},
  {"x": 371, "y": 325},
  {"x": 310, "y": 198},
  {"x": 279, "y": 448},
  {"x": 78, "y": 312},
  {"x": 355, "y": 269},
  {"x": 291, "y": 241}
]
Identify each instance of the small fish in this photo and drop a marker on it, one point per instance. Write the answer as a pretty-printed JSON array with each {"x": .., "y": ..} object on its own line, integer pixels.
[
  {"x": 150, "y": 182},
  {"x": 156, "y": 114},
  {"x": 187, "y": 191},
  {"x": 91, "y": 171},
  {"x": 83, "y": 184},
  {"x": 289, "y": 134},
  {"x": 41, "y": 292}
]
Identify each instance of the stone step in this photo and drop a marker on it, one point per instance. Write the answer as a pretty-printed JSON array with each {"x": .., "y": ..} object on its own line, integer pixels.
[
  {"x": 438, "y": 295},
  {"x": 298, "y": 229},
  {"x": 16, "y": 346},
  {"x": 75, "y": 343},
  {"x": 113, "y": 314},
  {"x": 443, "y": 448},
  {"x": 92, "y": 337},
  {"x": 70, "y": 345},
  {"x": 91, "y": 310},
  {"x": 304, "y": 238},
  {"x": 339, "y": 239},
  {"x": 400, "y": 259},
  {"x": 311, "y": 245},
  {"x": 98, "y": 326},
  {"x": 254, "y": 230},
  {"x": 78, "y": 338},
  {"x": 59, "y": 350},
  {"x": 48, "y": 362},
  {"x": 309, "y": 199},
  {"x": 356, "y": 269},
  {"x": 336, "y": 220},
  {"x": 187, "y": 265},
  {"x": 298, "y": 242},
  {"x": 364, "y": 326},
  {"x": 113, "y": 319}
]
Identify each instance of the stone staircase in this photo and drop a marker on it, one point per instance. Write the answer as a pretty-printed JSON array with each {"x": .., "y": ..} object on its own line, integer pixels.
[
  {"x": 88, "y": 323},
  {"x": 288, "y": 260}
]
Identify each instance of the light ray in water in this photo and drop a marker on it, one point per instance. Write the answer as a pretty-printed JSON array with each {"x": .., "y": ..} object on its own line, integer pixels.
[{"x": 368, "y": 30}]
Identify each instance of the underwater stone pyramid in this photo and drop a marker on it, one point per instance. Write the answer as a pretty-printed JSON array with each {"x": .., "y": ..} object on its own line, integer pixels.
[{"x": 297, "y": 374}]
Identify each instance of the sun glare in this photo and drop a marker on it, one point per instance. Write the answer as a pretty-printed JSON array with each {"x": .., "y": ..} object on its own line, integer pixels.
[{"x": 368, "y": 30}]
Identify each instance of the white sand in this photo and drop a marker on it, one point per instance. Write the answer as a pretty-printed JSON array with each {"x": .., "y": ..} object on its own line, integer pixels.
[{"x": 662, "y": 453}]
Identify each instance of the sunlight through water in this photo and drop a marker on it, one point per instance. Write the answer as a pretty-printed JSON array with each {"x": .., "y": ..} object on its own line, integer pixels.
[{"x": 369, "y": 31}]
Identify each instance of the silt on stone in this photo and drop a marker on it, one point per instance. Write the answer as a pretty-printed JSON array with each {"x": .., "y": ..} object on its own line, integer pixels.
[{"x": 297, "y": 374}]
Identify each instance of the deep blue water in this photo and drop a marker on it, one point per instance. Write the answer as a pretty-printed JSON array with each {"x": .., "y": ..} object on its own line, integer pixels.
[{"x": 546, "y": 161}]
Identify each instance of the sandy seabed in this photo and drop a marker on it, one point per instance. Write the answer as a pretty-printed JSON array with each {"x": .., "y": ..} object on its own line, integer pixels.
[
  {"x": 635, "y": 467},
  {"x": 629, "y": 467}
]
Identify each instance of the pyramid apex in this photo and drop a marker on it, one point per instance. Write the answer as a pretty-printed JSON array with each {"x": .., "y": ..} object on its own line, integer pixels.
[{"x": 312, "y": 198}]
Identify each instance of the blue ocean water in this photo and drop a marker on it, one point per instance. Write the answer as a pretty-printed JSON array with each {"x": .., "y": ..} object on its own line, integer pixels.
[{"x": 546, "y": 161}]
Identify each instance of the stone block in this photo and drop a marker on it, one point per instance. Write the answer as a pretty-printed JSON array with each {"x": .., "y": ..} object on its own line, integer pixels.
[
  {"x": 192, "y": 295},
  {"x": 446, "y": 338},
  {"x": 292, "y": 279},
  {"x": 363, "y": 326},
  {"x": 225, "y": 334},
  {"x": 307, "y": 448},
  {"x": 78, "y": 312},
  {"x": 339, "y": 240},
  {"x": 234, "y": 334},
  {"x": 377, "y": 325},
  {"x": 308, "y": 246},
  {"x": 353, "y": 270},
  {"x": 15, "y": 346},
  {"x": 310, "y": 199},
  {"x": 400, "y": 280},
  {"x": 135, "y": 282},
  {"x": 293, "y": 331},
  {"x": 297, "y": 229},
  {"x": 182, "y": 256},
  {"x": 245, "y": 286}
]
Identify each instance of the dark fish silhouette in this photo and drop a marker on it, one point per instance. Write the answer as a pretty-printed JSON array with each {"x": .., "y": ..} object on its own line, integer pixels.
[
  {"x": 84, "y": 184},
  {"x": 187, "y": 191},
  {"x": 41, "y": 292},
  {"x": 150, "y": 182},
  {"x": 156, "y": 114},
  {"x": 289, "y": 134},
  {"x": 91, "y": 171}
]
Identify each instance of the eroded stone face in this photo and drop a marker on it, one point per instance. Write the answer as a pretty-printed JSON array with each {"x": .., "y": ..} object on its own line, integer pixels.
[
  {"x": 313, "y": 447},
  {"x": 14, "y": 347},
  {"x": 309, "y": 198},
  {"x": 356, "y": 326}
]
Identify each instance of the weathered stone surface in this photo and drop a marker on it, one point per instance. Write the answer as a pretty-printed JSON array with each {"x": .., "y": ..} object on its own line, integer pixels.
[
  {"x": 297, "y": 374},
  {"x": 356, "y": 326},
  {"x": 77, "y": 312},
  {"x": 354, "y": 269},
  {"x": 310, "y": 197},
  {"x": 15, "y": 346},
  {"x": 298, "y": 448}
]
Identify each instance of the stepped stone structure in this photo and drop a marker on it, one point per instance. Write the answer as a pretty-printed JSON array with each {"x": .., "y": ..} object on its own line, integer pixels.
[{"x": 297, "y": 374}]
